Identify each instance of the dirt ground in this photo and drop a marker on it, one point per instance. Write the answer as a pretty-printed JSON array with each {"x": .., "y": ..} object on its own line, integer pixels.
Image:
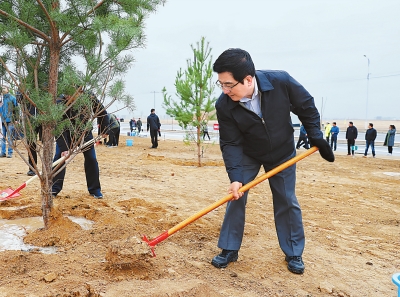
[{"x": 351, "y": 213}]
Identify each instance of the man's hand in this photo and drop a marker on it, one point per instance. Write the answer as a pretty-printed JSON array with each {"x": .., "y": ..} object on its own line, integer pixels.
[
  {"x": 64, "y": 154},
  {"x": 324, "y": 149},
  {"x": 233, "y": 189}
]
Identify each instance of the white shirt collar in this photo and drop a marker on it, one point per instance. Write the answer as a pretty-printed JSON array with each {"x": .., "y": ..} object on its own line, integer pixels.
[{"x": 255, "y": 92}]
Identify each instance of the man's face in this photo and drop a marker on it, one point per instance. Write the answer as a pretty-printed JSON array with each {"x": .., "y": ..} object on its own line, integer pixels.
[
  {"x": 239, "y": 89},
  {"x": 4, "y": 90}
]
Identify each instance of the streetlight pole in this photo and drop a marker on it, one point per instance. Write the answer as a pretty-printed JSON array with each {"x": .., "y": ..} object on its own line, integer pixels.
[
  {"x": 154, "y": 103},
  {"x": 366, "y": 103}
]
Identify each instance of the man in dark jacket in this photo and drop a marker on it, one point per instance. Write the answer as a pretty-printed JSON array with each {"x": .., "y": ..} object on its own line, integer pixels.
[
  {"x": 370, "y": 136},
  {"x": 302, "y": 139},
  {"x": 32, "y": 132},
  {"x": 113, "y": 130},
  {"x": 153, "y": 124},
  {"x": 256, "y": 130},
  {"x": 351, "y": 136},
  {"x": 64, "y": 144}
]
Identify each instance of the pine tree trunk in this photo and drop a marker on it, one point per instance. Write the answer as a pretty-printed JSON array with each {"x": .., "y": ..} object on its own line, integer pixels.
[
  {"x": 47, "y": 177},
  {"x": 48, "y": 138},
  {"x": 198, "y": 142}
]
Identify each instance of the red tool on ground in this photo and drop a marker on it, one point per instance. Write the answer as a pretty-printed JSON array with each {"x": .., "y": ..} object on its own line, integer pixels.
[
  {"x": 166, "y": 234},
  {"x": 10, "y": 193}
]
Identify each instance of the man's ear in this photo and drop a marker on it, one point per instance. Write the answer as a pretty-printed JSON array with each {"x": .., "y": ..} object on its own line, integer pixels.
[{"x": 248, "y": 80}]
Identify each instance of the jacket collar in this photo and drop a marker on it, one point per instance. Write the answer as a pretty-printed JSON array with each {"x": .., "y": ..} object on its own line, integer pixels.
[
  {"x": 263, "y": 85},
  {"x": 263, "y": 82}
]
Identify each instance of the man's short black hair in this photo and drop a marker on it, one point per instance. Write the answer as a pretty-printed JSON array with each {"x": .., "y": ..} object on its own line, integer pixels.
[
  {"x": 152, "y": 110},
  {"x": 371, "y": 124},
  {"x": 351, "y": 123},
  {"x": 236, "y": 61}
]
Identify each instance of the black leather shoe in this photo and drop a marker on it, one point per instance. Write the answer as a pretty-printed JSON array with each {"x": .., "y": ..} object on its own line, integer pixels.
[
  {"x": 224, "y": 258},
  {"x": 295, "y": 264},
  {"x": 31, "y": 173}
]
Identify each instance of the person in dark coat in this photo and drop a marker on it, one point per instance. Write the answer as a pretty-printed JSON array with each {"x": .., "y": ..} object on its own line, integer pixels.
[
  {"x": 132, "y": 124},
  {"x": 351, "y": 136},
  {"x": 389, "y": 139},
  {"x": 32, "y": 136},
  {"x": 303, "y": 141},
  {"x": 63, "y": 144},
  {"x": 255, "y": 130},
  {"x": 153, "y": 124},
  {"x": 370, "y": 136},
  {"x": 139, "y": 125},
  {"x": 113, "y": 131}
]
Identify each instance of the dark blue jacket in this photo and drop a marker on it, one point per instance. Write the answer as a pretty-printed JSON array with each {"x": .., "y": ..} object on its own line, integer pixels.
[
  {"x": 64, "y": 141},
  {"x": 269, "y": 139},
  {"x": 351, "y": 133},
  {"x": 370, "y": 134},
  {"x": 153, "y": 122}
]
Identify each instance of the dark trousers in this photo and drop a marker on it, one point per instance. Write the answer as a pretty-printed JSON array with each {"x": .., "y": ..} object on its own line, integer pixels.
[
  {"x": 91, "y": 170},
  {"x": 333, "y": 142},
  {"x": 350, "y": 144},
  {"x": 117, "y": 132},
  {"x": 154, "y": 138},
  {"x": 302, "y": 141},
  {"x": 287, "y": 212},
  {"x": 33, "y": 147},
  {"x": 112, "y": 137},
  {"x": 204, "y": 135},
  {"x": 390, "y": 149}
]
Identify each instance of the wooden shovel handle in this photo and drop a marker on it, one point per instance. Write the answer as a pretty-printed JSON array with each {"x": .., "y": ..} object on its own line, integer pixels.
[{"x": 245, "y": 188}]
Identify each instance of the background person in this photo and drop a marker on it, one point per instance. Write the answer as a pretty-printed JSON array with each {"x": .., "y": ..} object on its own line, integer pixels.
[
  {"x": 9, "y": 114},
  {"x": 153, "y": 124},
  {"x": 351, "y": 136},
  {"x": 132, "y": 124},
  {"x": 334, "y": 135},
  {"x": 327, "y": 131},
  {"x": 303, "y": 141},
  {"x": 139, "y": 125},
  {"x": 389, "y": 140},
  {"x": 370, "y": 136},
  {"x": 256, "y": 130},
  {"x": 205, "y": 132},
  {"x": 32, "y": 136},
  {"x": 113, "y": 130}
]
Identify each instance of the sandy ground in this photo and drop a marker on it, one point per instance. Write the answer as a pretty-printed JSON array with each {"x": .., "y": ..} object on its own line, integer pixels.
[{"x": 351, "y": 213}]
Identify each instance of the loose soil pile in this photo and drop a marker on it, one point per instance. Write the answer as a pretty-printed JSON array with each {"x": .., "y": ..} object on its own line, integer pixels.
[{"x": 351, "y": 213}]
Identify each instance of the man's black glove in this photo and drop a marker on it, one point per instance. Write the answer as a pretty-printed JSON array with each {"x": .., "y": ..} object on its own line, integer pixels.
[{"x": 324, "y": 149}]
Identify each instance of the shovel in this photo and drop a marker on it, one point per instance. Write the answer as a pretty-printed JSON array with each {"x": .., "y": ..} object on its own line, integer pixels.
[
  {"x": 10, "y": 193},
  {"x": 176, "y": 228}
]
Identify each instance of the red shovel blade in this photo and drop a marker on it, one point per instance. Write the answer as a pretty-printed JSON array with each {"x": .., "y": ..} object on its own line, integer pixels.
[{"x": 8, "y": 194}]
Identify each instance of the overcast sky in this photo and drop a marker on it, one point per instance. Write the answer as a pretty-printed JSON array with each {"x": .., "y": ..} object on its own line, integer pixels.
[{"x": 321, "y": 43}]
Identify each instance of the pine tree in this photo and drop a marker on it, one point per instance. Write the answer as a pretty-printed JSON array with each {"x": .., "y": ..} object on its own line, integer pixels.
[
  {"x": 194, "y": 88},
  {"x": 50, "y": 47}
]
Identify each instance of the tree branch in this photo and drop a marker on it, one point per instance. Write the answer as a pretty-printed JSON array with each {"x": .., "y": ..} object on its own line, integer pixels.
[{"x": 35, "y": 31}]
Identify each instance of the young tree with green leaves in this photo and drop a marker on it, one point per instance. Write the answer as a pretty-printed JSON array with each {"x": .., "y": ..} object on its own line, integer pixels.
[
  {"x": 194, "y": 88},
  {"x": 76, "y": 47}
]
